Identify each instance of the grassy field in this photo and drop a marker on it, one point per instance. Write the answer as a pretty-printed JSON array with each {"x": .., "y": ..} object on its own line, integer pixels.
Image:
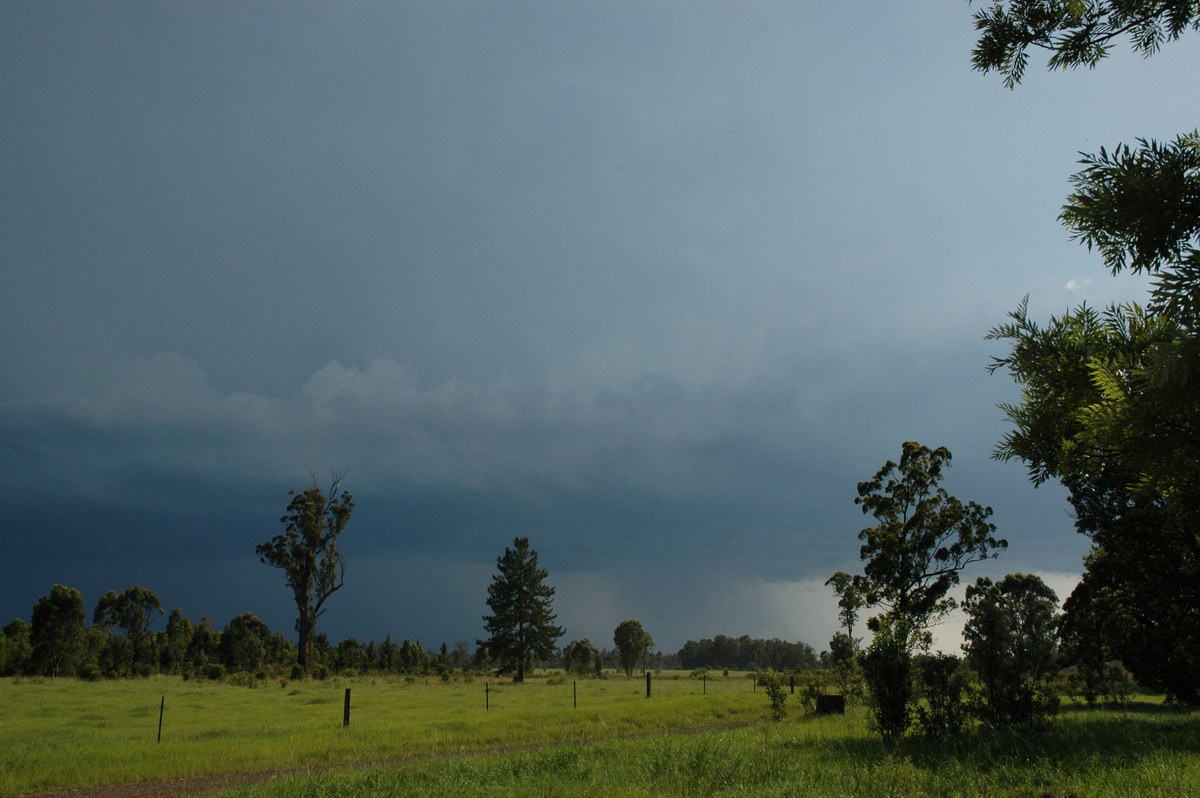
[
  {"x": 62, "y": 734},
  {"x": 59, "y": 734},
  {"x": 1144, "y": 752}
]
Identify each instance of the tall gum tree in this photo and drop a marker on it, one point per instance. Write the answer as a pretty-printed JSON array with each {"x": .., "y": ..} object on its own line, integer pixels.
[
  {"x": 307, "y": 553},
  {"x": 912, "y": 556}
]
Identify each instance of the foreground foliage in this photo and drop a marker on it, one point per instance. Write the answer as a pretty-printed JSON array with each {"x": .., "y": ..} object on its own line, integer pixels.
[{"x": 1109, "y": 401}]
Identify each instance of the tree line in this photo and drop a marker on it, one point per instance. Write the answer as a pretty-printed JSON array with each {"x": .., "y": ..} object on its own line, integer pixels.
[
  {"x": 747, "y": 654},
  {"x": 521, "y": 631},
  {"x": 119, "y": 643}
]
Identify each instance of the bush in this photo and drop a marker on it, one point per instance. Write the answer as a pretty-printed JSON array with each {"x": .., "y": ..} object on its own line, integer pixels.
[
  {"x": 775, "y": 694},
  {"x": 214, "y": 671},
  {"x": 1118, "y": 684},
  {"x": 944, "y": 686},
  {"x": 848, "y": 677},
  {"x": 887, "y": 672}
]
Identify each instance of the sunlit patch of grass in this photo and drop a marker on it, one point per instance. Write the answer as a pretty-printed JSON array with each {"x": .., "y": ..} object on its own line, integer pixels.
[
  {"x": 57, "y": 734},
  {"x": 62, "y": 734},
  {"x": 1114, "y": 755}
]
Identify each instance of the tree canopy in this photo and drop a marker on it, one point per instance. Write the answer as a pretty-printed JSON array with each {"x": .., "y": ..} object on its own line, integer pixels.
[
  {"x": 633, "y": 644},
  {"x": 1009, "y": 640},
  {"x": 1110, "y": 400},
  {"x": 56, "y": 632},
  {"x": 1073, "y": 32},
  {"x": 923, "y": 539}
]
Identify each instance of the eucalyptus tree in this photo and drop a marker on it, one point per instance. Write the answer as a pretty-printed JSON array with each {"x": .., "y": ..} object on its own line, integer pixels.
[
  {"x": 923, "y": 538},
  {"x": 132, "y": 612},
  {"x": 307, "y": 553}
]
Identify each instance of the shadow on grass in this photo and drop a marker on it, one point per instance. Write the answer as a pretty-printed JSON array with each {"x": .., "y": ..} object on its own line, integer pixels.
[{"x": 1078, "y": 738}]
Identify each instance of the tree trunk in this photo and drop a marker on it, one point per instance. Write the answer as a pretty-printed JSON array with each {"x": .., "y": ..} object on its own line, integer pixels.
[{"x": 304, "y": 629}]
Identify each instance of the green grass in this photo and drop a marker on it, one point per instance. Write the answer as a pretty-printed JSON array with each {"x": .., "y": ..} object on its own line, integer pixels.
[
  {"x": 1147, "y": 751},
  {"x": 63, "y": 734},
  {"x": 60, "y": 734}
]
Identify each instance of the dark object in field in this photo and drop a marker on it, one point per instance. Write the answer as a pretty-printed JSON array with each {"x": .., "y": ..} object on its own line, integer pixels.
[{"x": 829, "y": 704}]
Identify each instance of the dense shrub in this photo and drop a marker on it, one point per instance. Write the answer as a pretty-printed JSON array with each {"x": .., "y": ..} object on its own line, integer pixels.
[
  {"x": 943, "y": 684},
  {"x": 887, "y": 673}
]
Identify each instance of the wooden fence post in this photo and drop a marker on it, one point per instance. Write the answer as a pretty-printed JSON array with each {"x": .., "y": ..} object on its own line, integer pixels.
[
  {"x": 346, "y": 709},
  {"x": 162, "y": 705},
  {"x": 647, "y": 684}
]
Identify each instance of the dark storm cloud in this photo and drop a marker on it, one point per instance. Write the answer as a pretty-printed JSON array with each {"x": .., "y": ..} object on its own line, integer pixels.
[{"x": 655, "y": 286}]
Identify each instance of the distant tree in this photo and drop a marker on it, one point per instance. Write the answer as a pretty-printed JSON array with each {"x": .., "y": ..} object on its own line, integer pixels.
[
  {"x": 244, "y": 642},
  {"x": 850, "y": 601},
  {"x": 746, "y": 653},
  {"x": 280, "y": 650},
  {"x": 56, "y": 632},
  {"x": 204, "y": 646},
  {"x": 131, "y": 612},
  {"x": 319, "y": 652},
  {"x": 460, "y": 657},
  {"x": 389, "y": 655},
  {"x": 841, "y": 648},
  {"x": 633, "y": 644},
  {"x": 179, "y": 635},
  {"x": 349, "y": 654},
  {"x": 1009, "y": 640},
  {"x": 15, "y": 648},
  {"x": 307, "y": 553},
  {"x": 912, "y": 558},
  {"x": 413, "y": 658},
  {"x": 521, "y": 626},
  {"x": 583, "y": 658}
]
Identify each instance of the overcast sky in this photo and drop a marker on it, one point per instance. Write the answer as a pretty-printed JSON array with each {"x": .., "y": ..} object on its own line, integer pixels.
[{"x": 653, "y": 284}]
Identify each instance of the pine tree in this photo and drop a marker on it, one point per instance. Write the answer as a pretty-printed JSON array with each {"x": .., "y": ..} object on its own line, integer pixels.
[{"x": 521, "y": 626}]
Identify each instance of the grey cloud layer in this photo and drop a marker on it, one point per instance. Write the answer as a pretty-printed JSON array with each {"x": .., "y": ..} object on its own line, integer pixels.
[{"x": 653, "y": 284}]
